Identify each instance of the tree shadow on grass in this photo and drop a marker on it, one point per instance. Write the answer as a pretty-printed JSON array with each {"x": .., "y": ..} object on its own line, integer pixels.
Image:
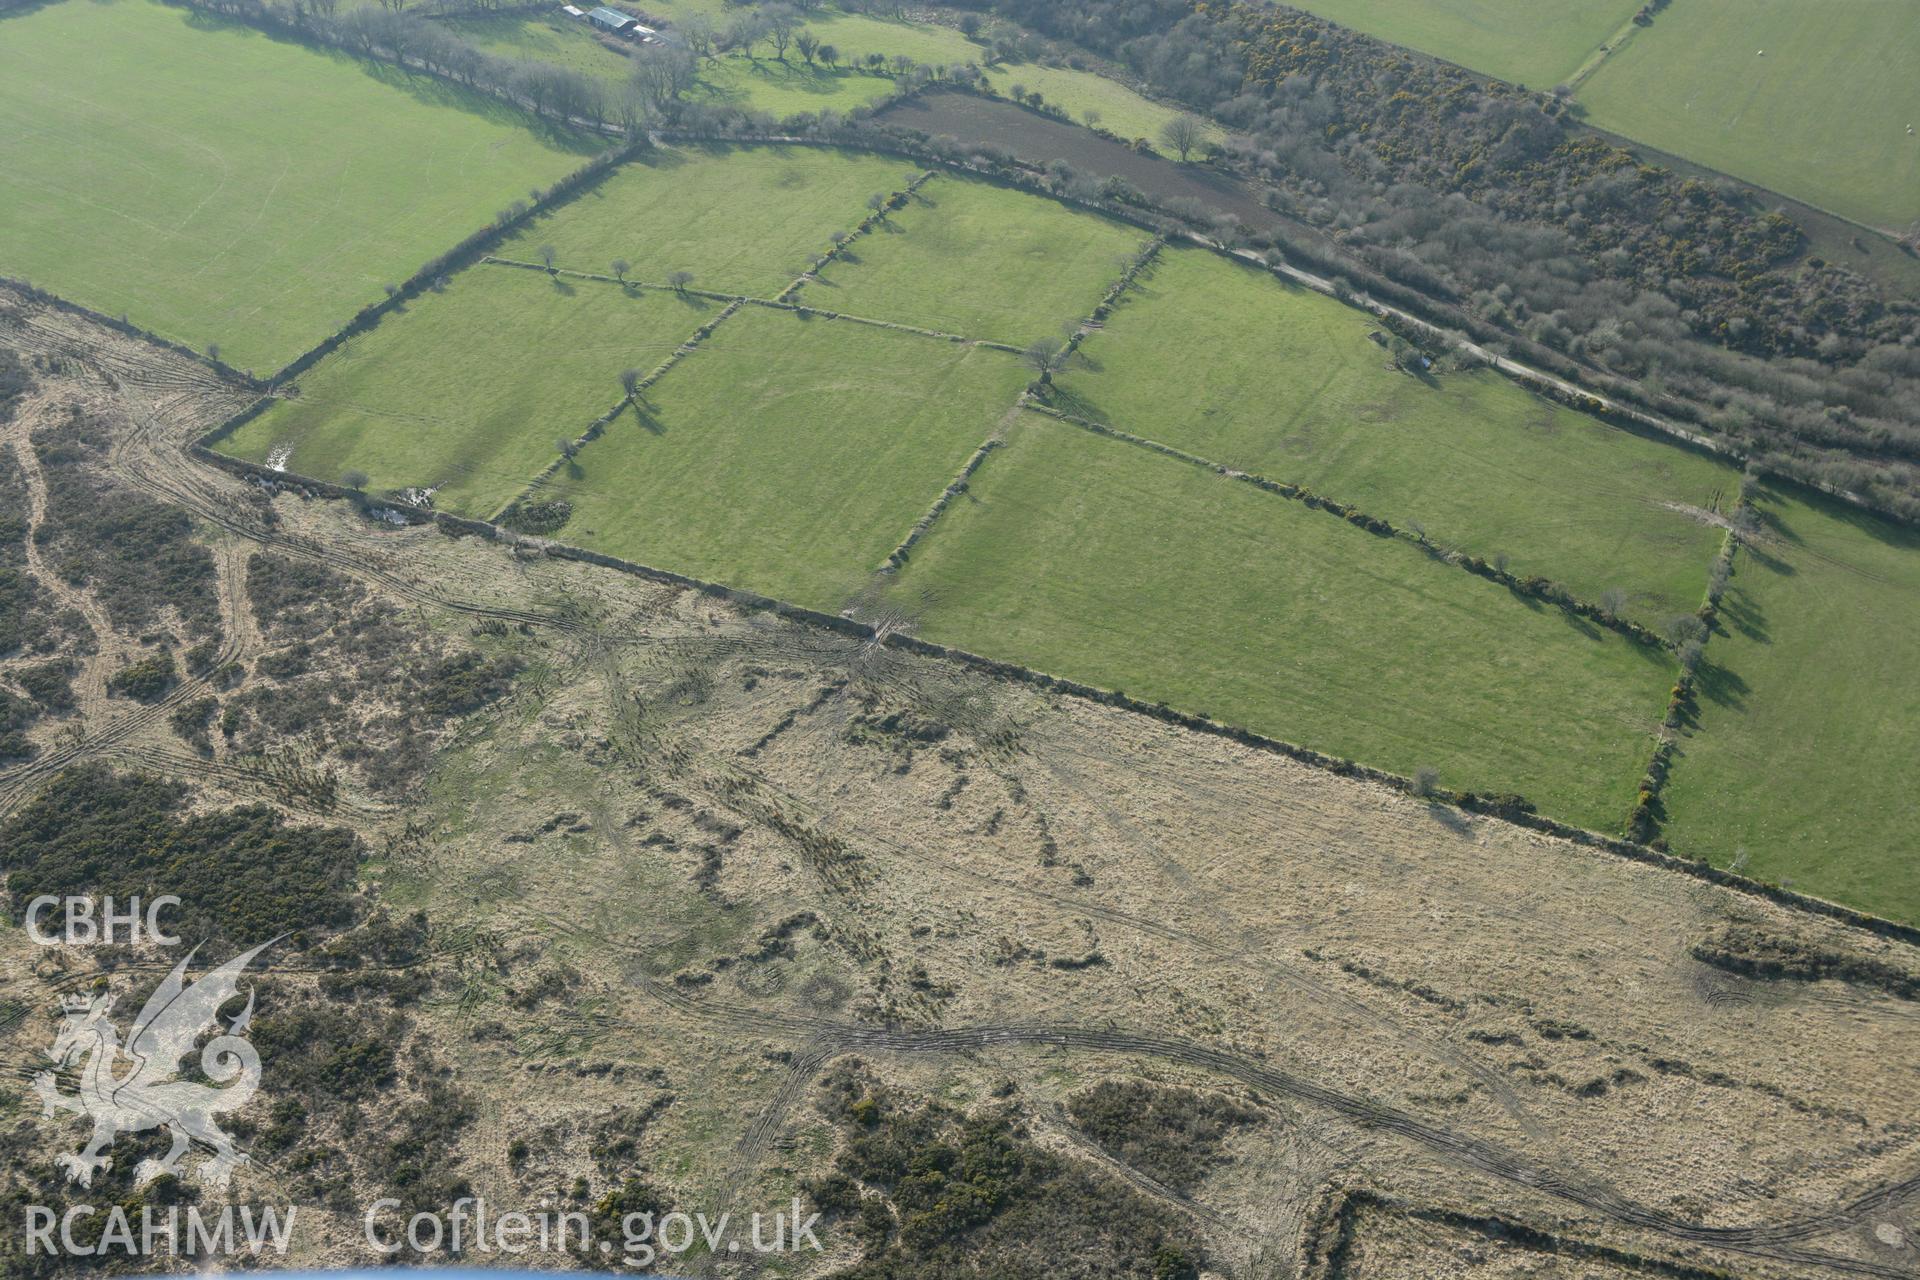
[
  {"x": 1740, "y": 612},
  {"x": 34, "y": 6},
  {"x": 1720, "y": 685},
  {"x": 1079, "y": 404},
  {"x": 433, "y": 91},
  {"x": 648, "y": 418},
  {"x": 420, "y": 86},
  {"x": 1766, "y": 559},
  {"x": 1588, "y": 629}
]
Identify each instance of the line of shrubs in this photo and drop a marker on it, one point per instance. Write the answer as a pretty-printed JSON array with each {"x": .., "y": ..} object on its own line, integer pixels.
[
  {"x": 894, "y": 202},
  {"x": 1643, "y": 824},
  {"x": 899, "y": 555},
  {"x": 1506, "y": 806},
  {"x": 437, "y": 268},
  {"x": 1534, "y": 587},
  {"x": 120, "y": 324},
  {"x": 1110, "y": 299}
]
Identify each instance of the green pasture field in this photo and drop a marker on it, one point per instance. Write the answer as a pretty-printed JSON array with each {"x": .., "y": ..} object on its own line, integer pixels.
[
  {"x": 741, "y": 219},
  {"x": 1807, "y": 750},
  {"x": 788, "y": 455},
  {"x": 551, "y": 37},
  {"x": 1538, "y": 43},
  {"x": 1223, "y": 360},
  {"x": 786, "y": 88},
  {"x": 222, "y": 187},
  {"x": 1821, "y": 117},
  {"x": 854, "y": 35},
  {"x": 470, "y": 389},
  {"x": 1120, "y": 109},
  {"x": 763, "y": 83},
  {"x": 1106, "y": 562},
  {"x": 969, "y": 257}
]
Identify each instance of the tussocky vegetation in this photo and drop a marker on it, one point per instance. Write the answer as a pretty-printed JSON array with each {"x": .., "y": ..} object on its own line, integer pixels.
[
  {"x": 1120, "y": 562},
  {"x": 1141, "y": 639}
]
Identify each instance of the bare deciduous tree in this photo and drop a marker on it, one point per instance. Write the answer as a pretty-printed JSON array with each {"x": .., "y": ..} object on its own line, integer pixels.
[
  {"x": 1042, "y": 352},
  {"x": 780, "y": 23},
  {"x": 697, "y": 34},
  {"x": 1183, "y": 133},
  {"x": 661, "y": 74}
]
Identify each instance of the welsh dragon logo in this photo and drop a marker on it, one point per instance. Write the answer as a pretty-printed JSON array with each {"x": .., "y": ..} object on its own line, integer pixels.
[{"x": 147, "y": 1093}]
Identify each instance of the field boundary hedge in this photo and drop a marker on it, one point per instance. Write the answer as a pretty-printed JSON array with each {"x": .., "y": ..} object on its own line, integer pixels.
[
  {"x": 1562, "y": 388},
  {"x": 1623, "y": 395},
  {"x": 865, "y": 227},
  {"x": 463, "y": 254},
  {"x": 1644, "y": 822},
  {"x": 1508, "y": 808},
  {"x": 120, "y": 324},
  {"x": 599, "y": 425},
  {"x": 955, "y": 487},
  {"x": 772, "y": 304},
  {"x": 1534, "y": 588}
]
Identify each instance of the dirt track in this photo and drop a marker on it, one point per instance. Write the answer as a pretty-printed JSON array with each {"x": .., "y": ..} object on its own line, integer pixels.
[{"x": 1013, "y": 885}]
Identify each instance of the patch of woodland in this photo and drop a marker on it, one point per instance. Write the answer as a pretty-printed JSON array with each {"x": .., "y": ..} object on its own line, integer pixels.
[{"x": 932, "y": 1192}]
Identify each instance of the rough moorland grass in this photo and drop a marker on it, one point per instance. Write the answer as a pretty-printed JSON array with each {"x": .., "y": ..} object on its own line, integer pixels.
[
  {"x": 1224, "y": 361},
  {"x": 788, "y": 455},
  {"x": 1538, "y": 43},
  {"x": 969, "y": 257},
  {"x": 470, "y": 389},
  {"x": 741, "y": 219},
  {"x": 219, "y": 186},
  {"x": 1105, "y": 562},
  {"x": 1807, "y": 750},
  {"x": 1822, "y": 117}
]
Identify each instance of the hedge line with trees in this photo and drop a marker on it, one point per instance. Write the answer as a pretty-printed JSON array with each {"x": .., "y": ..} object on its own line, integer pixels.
[{"x": 1493, "y": 198}]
